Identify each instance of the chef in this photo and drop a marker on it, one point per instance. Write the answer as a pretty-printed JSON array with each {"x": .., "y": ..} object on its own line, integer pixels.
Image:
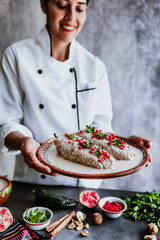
[{"x": 51, "y": 84}]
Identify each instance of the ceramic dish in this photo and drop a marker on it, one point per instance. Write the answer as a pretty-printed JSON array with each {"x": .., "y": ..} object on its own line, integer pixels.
[
  {"x": 111, "y": 200},
  {"x": 48, "y": 155},
  {"x": 38, "y": 226},
  {"x": 5, "y": 189}
]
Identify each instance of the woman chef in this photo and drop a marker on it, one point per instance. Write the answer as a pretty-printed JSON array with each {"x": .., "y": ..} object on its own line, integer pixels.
[{"x": 50, "y": 83}]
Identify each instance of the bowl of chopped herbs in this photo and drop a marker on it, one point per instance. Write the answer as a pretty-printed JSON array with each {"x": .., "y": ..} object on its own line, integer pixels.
[{"x": 37, "y": 218}]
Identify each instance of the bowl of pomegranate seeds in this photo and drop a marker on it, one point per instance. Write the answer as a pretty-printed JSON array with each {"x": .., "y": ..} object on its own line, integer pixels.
[{"x": 112, "y": 207}]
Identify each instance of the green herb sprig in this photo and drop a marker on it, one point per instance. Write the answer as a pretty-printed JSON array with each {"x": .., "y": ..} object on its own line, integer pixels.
[
  {"x": 144, "y": 207},
  {"x": 89, "y": 129},
  {"x": 36, "y": 216},
  {"x": 98, "y": 152},
  {"x": 117, "y": 142},
  {"x": 72, "y": 137},
  {"x": 88, "y": 143},
  {"x": 101, "y": 135}
]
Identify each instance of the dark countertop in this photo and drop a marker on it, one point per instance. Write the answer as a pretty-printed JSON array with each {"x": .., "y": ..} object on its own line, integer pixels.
[{"x": 111, "y": 229}]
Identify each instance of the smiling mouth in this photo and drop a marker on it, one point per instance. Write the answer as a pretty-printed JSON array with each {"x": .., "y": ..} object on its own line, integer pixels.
[{"x": 68, "y": 28}]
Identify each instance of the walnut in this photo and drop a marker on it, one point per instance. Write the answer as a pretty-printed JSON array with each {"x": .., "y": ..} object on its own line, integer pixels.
[
  {"x": 79, "y": 227},
  {"x": 150, "y": 237},
  {"x": 97, "y": 218},
  {"x": 86, "y": 225},
  {"x": 84, "y": 233},
  {"x": 77, "y": 223},
  {"x": 71, "y": 226},
  {"x": 152, "y": 228},
  {"x": 73, "y": 220},
  {"x": 80, "y": 216}
]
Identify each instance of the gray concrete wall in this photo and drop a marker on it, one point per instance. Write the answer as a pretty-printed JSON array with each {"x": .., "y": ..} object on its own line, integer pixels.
[{"x": 126, "y": 36}]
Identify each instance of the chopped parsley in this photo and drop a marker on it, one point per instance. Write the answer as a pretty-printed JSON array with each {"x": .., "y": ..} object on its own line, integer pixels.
[{"x": 36, "y": 215}]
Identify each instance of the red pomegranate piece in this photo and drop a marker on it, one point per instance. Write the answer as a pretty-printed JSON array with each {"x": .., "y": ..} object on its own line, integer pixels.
[
  {"x": 89, "y": 199},
  {"x": 113, "y": 206},
  {"x": 6, "y": 218}
]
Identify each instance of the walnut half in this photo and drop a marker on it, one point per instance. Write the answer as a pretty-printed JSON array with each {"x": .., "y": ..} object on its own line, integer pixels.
[
  {"x": 71, "y": 226},
  {"x": 86, "y": 225},
  {"x": 150, "y": 237},
  {"x": 79, "y": 227},
  {"x": 84, "y": 233}
]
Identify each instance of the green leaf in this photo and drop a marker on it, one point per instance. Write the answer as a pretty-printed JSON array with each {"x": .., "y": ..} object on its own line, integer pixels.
[
  {"x": 135, "y": 208},
  {"x": 36, "y": 216},
  {"x": 89, "y": 129},
  {"x": 117, "y": 142},
  {"x": 144, "y": 207},
  {"x": 72, "y": 137},
  {"x": 101, "y": 135},
  {"x": 99, "y": 151}
]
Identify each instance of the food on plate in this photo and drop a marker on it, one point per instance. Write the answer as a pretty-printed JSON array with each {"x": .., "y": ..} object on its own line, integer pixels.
[
  {"x": 5, "y": 189},
  {"x": 6, "y": 218},
  {"x": 115, "y": 146},
  {"x": 49, "y": 198},
  {"x": 89, "y": 199},
  {"x": 83, "y": 151}
]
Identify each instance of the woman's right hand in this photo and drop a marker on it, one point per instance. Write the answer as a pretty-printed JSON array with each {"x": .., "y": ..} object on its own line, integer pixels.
[{"x": 29, "y": 149}]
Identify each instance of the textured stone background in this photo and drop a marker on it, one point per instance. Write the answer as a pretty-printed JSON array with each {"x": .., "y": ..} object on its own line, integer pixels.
[{"x": 126, "y": 36}]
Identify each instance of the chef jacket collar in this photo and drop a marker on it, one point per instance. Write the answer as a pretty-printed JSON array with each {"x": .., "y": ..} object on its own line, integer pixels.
[{"x": 45, "y": 41}]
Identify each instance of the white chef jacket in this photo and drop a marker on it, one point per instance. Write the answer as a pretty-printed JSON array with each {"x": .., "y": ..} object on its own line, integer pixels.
[{"x": 40, "y": 95}]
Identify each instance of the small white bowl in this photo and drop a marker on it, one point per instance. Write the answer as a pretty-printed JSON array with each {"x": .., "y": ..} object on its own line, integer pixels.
[
  {"x": 38, "y": 226},
  {"x": 112, "y": 199}
]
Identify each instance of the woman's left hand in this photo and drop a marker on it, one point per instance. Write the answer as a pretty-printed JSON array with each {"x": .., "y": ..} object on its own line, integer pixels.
[{"x": 142, "y": 142}]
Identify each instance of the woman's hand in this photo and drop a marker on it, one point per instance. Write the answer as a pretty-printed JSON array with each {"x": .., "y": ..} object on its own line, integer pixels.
[
  {"x": 29, "y": 148},
  {"x": 142, "y": 142}
]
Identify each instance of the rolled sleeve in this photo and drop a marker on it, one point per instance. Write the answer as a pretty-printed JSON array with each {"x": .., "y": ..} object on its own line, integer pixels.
[
  {"x": 8, "y": 128},
  {"x": 11, "y": 101}
]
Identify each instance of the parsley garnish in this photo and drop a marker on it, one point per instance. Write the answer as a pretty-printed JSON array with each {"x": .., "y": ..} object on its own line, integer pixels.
[
  {"x": 101, "y": 135},
  {"x": 117, "y": 142},
  {"x": 72, "y": 137},
  {"x": 99, "y": 151},
  {"x": 88, "y": 143},
  {"x": 89, "y": 129}
]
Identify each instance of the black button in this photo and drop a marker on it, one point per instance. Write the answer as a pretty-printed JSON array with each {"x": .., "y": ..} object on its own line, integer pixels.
[
  {"x": 73, "y": 105},
  {"x": 41, "y": 106},
  {"x": 71, "y": 69},
  {"x": 43, "y": 176},
  {"x": 40, "y": 71}
]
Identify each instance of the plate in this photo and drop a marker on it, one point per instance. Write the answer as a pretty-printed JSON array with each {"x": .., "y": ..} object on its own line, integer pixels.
[{"x": 48, "y": 155}]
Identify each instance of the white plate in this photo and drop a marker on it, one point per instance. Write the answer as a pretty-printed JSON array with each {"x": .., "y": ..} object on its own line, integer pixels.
[{"x": 48, "y": 155}]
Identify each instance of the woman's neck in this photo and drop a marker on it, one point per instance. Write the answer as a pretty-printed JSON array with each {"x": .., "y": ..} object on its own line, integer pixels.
[{"x": 60, "y": 50}]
